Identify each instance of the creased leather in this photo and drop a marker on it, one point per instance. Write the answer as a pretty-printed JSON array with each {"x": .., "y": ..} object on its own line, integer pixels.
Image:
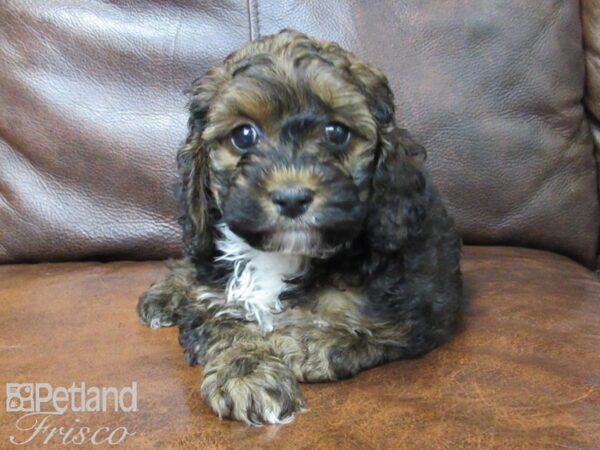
[
  {"x": 493, "y": 90},
  {"x": 92, "y": 111}
]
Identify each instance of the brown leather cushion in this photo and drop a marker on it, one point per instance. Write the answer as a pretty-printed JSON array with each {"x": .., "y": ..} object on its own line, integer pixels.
[
  {"x": 91, "y": 112},
  {"x": 522, "y": 374}
]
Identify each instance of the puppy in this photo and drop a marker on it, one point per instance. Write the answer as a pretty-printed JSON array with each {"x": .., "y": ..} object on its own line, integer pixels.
[{"x": 315, "y": 245}]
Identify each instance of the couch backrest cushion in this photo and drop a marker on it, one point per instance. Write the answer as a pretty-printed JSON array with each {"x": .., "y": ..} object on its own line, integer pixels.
[{"x": 92, "y": 111}]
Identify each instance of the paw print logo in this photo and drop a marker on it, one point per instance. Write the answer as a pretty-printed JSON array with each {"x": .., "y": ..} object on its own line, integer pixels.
[{"x": 19, "y": 397}]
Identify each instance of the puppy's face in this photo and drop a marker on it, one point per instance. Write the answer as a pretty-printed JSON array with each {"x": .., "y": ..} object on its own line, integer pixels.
[{"x": 291, "y": 146}]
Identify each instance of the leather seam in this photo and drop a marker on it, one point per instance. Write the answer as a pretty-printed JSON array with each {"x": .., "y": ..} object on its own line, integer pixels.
[
  {"x": 253, "y": 22},
  {"x": 594, "y": 122},
  {"x": 257, "y": 18}
]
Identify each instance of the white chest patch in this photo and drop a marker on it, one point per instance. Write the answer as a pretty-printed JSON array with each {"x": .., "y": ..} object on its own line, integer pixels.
[{"x": 257, "y": 278}]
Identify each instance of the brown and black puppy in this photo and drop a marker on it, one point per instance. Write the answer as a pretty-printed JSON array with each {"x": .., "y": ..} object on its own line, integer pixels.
[{"x": 315, "y": 244}]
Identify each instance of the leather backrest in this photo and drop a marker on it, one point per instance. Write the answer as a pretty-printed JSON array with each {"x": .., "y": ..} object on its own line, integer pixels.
[{"x": 92, "y": 111}]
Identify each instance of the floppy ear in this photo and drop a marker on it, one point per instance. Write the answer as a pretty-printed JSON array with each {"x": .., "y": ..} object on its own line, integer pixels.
[
  {"x": 196, "y": 203},
  {"x": 400, "y": 192}
]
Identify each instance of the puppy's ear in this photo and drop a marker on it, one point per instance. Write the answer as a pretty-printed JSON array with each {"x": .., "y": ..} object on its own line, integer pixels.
[
  {"x": 193, "y": 192},
  {"x": 400, "y": 191}
]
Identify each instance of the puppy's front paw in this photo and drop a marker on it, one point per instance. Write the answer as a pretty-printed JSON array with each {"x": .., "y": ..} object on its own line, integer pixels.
[
  {"x": 156, "y": 307},
  {"x": 250, "y": 384}
]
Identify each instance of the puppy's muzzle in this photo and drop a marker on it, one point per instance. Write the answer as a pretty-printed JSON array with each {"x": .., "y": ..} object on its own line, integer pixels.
[{"x": 292, "y": 200}]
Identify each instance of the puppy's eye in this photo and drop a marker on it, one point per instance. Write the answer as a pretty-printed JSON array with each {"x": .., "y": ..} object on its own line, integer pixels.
[
  {"x": 244, "y": 136},
  {"x": 337, "y": 134}
]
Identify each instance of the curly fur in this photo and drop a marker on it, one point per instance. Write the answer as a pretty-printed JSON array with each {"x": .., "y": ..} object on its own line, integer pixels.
[
  {"x": 258, "y": 278},
  {"x": 374, "y": 275}
]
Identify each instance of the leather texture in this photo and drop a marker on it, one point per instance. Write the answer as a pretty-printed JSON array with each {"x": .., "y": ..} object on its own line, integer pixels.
[
  {"x": 590, "y": 19},
  {"x": 92, "y": 110},
  {"x": 522, "y": 374},
  {"x": 493, "y": 90}
]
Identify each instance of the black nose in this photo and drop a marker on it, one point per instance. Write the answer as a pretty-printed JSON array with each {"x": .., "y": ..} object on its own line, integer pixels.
[{"x": 292, "y": 201}]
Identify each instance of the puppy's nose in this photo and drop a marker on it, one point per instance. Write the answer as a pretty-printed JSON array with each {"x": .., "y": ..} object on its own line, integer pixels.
[{"x": 292, "y": 201}]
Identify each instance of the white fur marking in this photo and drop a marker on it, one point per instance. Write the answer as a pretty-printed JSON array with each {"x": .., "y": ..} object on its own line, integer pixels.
[{"x": 257, "y": 278}]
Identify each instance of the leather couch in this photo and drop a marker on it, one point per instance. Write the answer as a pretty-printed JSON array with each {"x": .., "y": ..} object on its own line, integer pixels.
[{"x": 505, "y": 96}]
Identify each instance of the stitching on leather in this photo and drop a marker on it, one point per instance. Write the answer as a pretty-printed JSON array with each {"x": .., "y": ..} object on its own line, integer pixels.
[
  {"x": 253, "y": 19},
  {"x": 250, "y": 22},
  {"x": 257, "y": 18}
]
